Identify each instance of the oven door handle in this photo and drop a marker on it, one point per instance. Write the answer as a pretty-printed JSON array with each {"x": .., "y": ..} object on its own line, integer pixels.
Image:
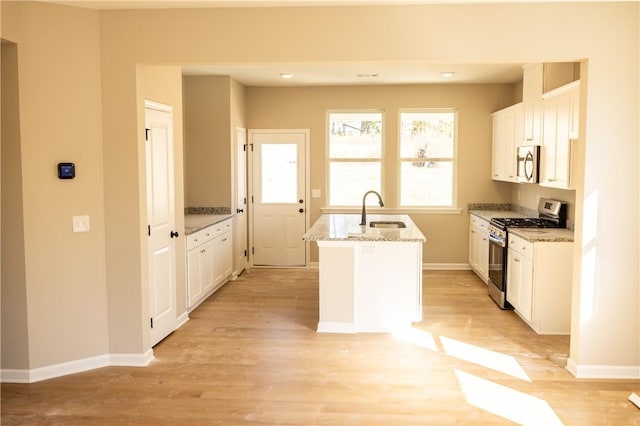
[{"x": 498, "y": 241}]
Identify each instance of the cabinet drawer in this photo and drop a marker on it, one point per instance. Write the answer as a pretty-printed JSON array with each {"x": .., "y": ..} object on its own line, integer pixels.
[
  {"x": 208, "y": 233},
  {"x": 520, "y": 245},
  {"x": 480, "y": 223}
]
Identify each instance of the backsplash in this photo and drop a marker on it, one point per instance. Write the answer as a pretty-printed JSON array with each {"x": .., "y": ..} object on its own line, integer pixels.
[
  {"x": 489, "y": 206},
  {"x": 207, "y": 210}
]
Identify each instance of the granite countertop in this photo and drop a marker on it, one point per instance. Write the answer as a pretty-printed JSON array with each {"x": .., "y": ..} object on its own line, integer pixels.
[
  {"x": 530, "y": 234},
  {"x": 195, "y": 222},
  {"x": 548, "y": 235},
  {"x": 346, "y": 227}
]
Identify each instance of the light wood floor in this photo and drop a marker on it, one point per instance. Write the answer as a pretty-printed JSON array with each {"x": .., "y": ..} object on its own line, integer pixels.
[{"x": 250, "y": 354}]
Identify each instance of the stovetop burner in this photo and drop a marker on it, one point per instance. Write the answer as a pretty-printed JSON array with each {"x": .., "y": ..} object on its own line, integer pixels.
[{"x": 526, "y": 222}]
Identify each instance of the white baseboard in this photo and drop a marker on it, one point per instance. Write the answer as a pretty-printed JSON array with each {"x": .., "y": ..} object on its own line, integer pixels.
[
  {"x": 336, "y": 327},
  {"x": 182, "y": 319},
  {"x": 77, "y": 366},
  {"x": 446, "y": 267},
  {"x": 631, "y": 372}
]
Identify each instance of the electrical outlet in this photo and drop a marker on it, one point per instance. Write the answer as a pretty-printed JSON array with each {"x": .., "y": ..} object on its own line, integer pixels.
[{"x": 81, "y": 223}]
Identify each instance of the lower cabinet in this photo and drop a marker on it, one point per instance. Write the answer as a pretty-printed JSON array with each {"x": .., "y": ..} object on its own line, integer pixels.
[
  {"x": 209, "y": 261},
  {"x": 479, "y": 246},
  {"x": 539, "y": 280}
]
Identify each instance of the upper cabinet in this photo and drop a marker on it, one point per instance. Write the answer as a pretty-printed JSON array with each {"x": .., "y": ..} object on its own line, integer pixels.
[
  {"x": 532, "y": 86},
  {"x": 507, "y": 134},
  {"x": 560, "y": 112},
  {"x": 547, "y": 116}
]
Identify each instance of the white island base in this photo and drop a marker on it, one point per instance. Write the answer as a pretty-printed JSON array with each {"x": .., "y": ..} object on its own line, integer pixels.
[{"x": 369, "y": 286}]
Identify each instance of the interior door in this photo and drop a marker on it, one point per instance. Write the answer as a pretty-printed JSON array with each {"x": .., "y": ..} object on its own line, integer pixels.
[
  {"x": 160, "y": 213},
  {"x": 279, "y": 197},
  {"x": 240, "y": 227}
]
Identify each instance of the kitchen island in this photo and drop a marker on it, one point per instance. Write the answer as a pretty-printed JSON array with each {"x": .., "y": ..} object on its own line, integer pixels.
[{"x": 370, "y": 278}]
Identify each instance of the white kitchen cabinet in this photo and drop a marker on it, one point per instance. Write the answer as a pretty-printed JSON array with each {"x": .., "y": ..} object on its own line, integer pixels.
[
  {"x": 479, "y": 246},
  {"x": 520, "y": 276},
  {"x": 539, "y": 280},
  {"x": 560, "y": 112},
  {"x": 532, "y": 86},
  {"x": 209, "y": 261},
  {"x": 507, "y": 136}
]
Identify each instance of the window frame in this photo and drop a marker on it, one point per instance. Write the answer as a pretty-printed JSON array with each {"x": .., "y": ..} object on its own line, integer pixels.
[
  {"x": 454, "y": 163},
  {"x": 330, "y": 160}
]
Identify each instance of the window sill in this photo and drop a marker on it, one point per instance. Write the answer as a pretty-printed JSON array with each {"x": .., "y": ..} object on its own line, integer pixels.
[{"x": 398, "y": 210}]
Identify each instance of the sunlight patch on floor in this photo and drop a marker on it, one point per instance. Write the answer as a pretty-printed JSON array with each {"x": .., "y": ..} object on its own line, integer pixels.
[
  {"x": 505, "y": 402},
  {"x": 484, "y": 357},
  {"x": 420, "y": 338}
]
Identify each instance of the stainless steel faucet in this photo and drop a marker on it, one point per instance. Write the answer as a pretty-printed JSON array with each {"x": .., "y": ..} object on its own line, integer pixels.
[{"x": 363, "y": 220}]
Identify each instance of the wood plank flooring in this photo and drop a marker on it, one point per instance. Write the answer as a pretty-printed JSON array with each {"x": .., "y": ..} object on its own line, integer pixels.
[{"x": 250, "y": 355}]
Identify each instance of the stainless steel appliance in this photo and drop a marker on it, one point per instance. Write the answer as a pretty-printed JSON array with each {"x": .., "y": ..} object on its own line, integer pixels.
[
  {"x": 527, "y": 164},
  {"x": 551, "y": 214}
]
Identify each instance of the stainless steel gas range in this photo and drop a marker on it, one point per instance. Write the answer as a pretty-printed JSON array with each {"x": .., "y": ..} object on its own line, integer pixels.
[{"x": 551, "y": 214}]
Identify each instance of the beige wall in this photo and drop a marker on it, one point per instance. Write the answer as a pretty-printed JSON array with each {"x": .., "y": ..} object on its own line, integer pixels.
[
  {"x": 61, "y": 74},
  {"x": 60, "y": 120},
  {"x": 306, "y": 107},
  {"x": 207, "y": 145},
  {"x": 15, "y": 332}
]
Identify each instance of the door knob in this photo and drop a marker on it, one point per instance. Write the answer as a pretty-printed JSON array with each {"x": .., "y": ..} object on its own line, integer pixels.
[
  {"x": 301, "y": 210},
  {"x": 174, "y": 234}
]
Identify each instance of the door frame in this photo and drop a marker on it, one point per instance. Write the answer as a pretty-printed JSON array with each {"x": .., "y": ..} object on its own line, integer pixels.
[
  {"x": 234, "y": 199},
  {"x": 250, "y": 189}
]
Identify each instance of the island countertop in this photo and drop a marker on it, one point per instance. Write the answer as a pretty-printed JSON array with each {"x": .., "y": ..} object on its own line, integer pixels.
[{"x": 346, "y": 227}]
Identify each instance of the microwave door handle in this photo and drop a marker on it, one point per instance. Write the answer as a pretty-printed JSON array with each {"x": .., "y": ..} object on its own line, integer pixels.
[{"x": 528, "y": 160}]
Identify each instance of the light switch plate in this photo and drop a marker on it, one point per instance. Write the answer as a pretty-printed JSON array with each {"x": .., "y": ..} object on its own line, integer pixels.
[
  {"x": 81, "y": 223},
  {"x": 315, "y": 193}
]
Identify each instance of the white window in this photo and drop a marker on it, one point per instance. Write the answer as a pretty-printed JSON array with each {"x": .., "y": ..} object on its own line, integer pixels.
[
  {"x": 355, "y": 156},
  {"x": 427, "y": 158}
]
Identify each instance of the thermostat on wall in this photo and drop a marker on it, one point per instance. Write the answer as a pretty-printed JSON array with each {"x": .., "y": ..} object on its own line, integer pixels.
[{"x": 66, "y": 170}]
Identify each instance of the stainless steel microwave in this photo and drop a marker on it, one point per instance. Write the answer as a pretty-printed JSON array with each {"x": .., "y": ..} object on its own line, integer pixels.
[{"x": 527, "y": 163}]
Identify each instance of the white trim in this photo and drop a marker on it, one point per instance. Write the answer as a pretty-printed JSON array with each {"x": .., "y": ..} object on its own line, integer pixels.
[
  {"x": 157, "y": 106},
  {"x": 76, "y": 366},
  {"x": 336, "y": 327},
  {"x": 131, "y": 360},
  {"x": 182, "y": 319},
  {"x": 627, "y": 372},
  {"x": 446, "y": 267},
  {"x": 313, "y": 265}
]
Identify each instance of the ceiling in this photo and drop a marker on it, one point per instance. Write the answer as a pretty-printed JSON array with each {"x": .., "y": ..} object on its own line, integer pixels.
[
  {"x": 358, "y": 73},
  {"x": 166, "y": 4},
  {"x": 322, "y": 73}
]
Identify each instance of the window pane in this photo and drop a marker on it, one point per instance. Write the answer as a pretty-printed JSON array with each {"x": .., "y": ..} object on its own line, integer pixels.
[
  {"x": 427, "y": 183},
  {"x": 426, "y": 134},
  {"x": 350, "y": 180},
  {"x": 355, "y": 135},
  {"x": 279, "y": 173}
]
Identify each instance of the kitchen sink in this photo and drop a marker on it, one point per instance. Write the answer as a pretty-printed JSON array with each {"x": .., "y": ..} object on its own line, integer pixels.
[{"x": 387, "y": 224}]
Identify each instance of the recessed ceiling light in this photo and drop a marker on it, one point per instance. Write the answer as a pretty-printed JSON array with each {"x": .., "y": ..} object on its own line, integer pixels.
[
  {"x": 286, "y": 75},
  {"x": 447, "y": 74},
  {"x": 366, "y": 75}
]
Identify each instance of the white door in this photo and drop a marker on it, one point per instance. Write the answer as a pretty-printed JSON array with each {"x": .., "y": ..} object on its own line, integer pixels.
[
  {"x": 279, "y": 206},
  {"x": 240, "y": 225},
  {"x": 160, "y": 212}
]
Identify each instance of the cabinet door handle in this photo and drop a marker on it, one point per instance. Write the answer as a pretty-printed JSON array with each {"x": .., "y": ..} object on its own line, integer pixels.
[
  {"x": 174, "y": 234},
  {"x": 239, "y": 210},
  {"x": 301, "y": 210}
]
